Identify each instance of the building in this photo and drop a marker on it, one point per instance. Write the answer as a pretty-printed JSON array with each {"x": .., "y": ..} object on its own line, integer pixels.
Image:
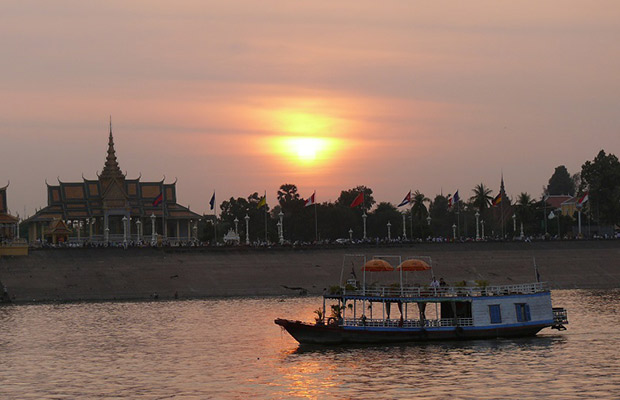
[
  {"x": 9, "y": 225},
  {"x": 112, "y": 208}
]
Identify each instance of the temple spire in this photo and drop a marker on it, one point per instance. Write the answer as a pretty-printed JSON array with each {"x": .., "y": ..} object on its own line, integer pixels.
[{"x": 111, "y": 168}]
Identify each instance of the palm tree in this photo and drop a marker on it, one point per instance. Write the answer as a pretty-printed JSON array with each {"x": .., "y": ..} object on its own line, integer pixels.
[
  {"x": 418, "y": 209},
  {"x": 525, "y": 207},
  {"x": 482, "y": 197}
]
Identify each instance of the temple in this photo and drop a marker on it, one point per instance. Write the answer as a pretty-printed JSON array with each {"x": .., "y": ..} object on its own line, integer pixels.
[
  {"x": 112, "y": 208},
  {"x": 9, "y": 225}
]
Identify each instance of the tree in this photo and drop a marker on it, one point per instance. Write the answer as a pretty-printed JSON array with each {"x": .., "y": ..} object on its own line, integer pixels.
[
  {"x": 384, "y": 213},
  {"x": 601, "y": 176},
  {"x": 440, "y": 216},
  {"x": 419, "y": 210},
  {"x": 287, "y": 193},
  {"x": 560, "y": 183},
  {"x": 526, "y": 210},
  {"x": 347, "y": 196},
  {"x": 481, "y": 198}
]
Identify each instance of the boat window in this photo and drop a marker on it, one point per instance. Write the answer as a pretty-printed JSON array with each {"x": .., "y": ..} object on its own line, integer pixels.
[
  {"x": 495, "y": 313},
  {"x": 523, "y": 312}
]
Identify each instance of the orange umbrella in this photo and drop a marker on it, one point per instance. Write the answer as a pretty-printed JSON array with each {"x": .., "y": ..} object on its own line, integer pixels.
[
  {"x": 377, "y": 265},
  {"x": 414, "y": 265}
]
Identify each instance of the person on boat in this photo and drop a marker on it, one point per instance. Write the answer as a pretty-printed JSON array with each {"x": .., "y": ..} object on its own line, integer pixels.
[
  {"x": 434, "y": 283},
  {"x": 442, "y": 283}
]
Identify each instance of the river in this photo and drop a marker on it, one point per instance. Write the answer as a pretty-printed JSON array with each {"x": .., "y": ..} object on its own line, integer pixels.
[{"x": 231, "y": 349}]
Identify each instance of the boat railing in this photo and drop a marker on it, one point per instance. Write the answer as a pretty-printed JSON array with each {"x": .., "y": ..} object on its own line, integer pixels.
[
  {"x": 446, "y": 291},
  {"x": 409, "y": 323}
]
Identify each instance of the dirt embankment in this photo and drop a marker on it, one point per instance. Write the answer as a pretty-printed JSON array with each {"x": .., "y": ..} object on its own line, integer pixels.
[{"x": 108, "y": 274}]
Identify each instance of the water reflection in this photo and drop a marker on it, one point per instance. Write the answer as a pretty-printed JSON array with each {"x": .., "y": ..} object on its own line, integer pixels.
[{"x": 230, "y": 348}]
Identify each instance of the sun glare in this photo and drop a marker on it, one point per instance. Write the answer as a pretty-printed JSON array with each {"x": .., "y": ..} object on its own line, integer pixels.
[
  {"x": 304, "y": 135},
  {"x": 306, "y": 149}
]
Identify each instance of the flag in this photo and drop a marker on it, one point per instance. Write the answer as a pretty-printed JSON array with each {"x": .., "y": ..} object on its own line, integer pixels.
[
  {"x": 455, "y": 198},
  {"x": 262, "y": 202},
  {"x": 583, "y": 199},
  {"x": 212, "y": 202},
  {"x": 406, "y": 200},
  {"x": 310, "y": 200},
  {"x": 449, "y": 201},
  {"x": 358, "y": 200},
  {"x": 497, "y": 199},
  {"x": 158, "y": 199}
]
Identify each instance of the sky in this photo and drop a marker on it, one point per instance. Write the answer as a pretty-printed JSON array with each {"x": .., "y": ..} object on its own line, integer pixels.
[{"x": 239, "y": 97}]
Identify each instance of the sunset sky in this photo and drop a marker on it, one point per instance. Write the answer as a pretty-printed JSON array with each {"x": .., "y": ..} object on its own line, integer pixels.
[{"x": 243, "y": 96}]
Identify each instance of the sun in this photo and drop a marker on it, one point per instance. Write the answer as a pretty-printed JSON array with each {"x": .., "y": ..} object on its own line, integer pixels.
[{"x": 307, "y": 149}]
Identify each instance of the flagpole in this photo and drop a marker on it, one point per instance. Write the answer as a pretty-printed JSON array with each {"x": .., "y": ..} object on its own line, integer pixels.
[
  {"x": 163, "y": 214},
  {"x": 458, "y": 216},
  {"x": 265, "y": 197},
  {"x": 316, "y": 223},
  {"x": 214, "y": 224}
]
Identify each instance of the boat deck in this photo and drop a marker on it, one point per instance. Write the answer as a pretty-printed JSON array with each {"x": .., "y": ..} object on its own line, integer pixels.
[{"x": 438, "y": 294}]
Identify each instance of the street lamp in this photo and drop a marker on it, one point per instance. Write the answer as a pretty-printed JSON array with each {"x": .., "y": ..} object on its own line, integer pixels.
[
  {"x": 428, "y": 220},
  {"x": 247, "y": 229},
  {"x": 454, "y": 231},
  {"x": 482, "y": 224},
  {"x": 153, "y": 232},
  {"x": 236, "y": 221},
  {"x": 125, "y": 230},
  {"x": 350, "y": 235},
  {"x": 364, "y": 216},
  {"x": 389, "y": 226},
  {"x": 281, "y": 224},
  {"x": 404, "y": 228},
  {"x": 477, "y": 215},
  {"x": 139, "y": 225},
  {"x": 514, "y": 223}
]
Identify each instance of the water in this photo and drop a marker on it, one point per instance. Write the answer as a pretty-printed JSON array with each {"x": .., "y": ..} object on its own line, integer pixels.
[{"x": 231, "y": 349}]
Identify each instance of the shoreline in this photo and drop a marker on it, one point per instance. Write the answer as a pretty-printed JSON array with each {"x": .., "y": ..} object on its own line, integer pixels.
[{"x": 112, "y": 274}]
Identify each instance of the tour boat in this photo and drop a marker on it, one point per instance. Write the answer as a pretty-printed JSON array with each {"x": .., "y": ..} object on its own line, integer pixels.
[{"x": 362, "y": 313}]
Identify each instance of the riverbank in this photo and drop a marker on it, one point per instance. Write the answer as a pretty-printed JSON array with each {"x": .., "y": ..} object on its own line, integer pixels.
[{"x": 143, "y": 273}]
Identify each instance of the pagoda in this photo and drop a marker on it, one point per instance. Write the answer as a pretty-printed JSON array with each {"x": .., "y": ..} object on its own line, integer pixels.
[
  {"x": 113, "y": 208},
  {"x": 9, "y": 225}
]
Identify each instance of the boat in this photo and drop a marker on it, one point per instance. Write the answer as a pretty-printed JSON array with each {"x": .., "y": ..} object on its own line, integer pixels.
[{"x": 361, "y": 312}]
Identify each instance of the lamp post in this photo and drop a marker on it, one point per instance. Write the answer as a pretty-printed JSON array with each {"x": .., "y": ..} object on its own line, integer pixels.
[
  {"x": 454, "y": 231},
  {"x": 236, "y": 221},
  {"x": 106, "y": 235},
  {"x": 477, "y": 215},
  {"x": 195, "y": 228},
  {"x": 139, "y": 228},
  {"x": 389, "y": 226},
  {"x": 350, "y": 235},
  {"x": 514, "y": 223},
  {"x": 125, "y": 230},
  {"x": 558, "y": 215},
  {"x": 404, "y": 228},
  {"x": 364, "y": 216},
  {"x": 428, "y": 220},
  {"x": 153, "y": 232},
  {"x": 482, "y": 225},
  {"x": 521, "y": 229},
  {"x": 281, "y": 215},
  {"x": 247, "y": 229}
]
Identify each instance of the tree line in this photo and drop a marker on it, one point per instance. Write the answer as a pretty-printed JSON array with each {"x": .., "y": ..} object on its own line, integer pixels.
[{"x": 424, "y": 217}]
